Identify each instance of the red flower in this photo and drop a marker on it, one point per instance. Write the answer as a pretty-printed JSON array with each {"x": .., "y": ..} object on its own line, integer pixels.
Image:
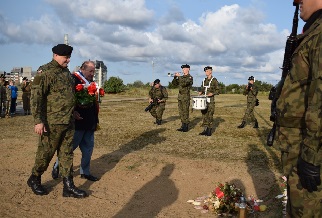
[
  {"x": 92, "y": 88},
  {"x": 79, "y": 87},
  {"x": 219, "y": 193},
  {"x": 101, "y": 92}
]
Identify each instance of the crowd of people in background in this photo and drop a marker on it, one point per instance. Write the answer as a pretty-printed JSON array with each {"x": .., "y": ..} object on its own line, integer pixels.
[{"x": 9, "y": 94}]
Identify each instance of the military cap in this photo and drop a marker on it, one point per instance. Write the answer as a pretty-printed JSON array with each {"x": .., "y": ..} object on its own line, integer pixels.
[
  {"x": 207, "y": 68},
  {"x": 62, "y": 50},
  {"x": 157, "y": 81},
  {"x": 25, "y": 78},
  {"x": 185, "y": 66},
  {"x": 251, "y": 78}
]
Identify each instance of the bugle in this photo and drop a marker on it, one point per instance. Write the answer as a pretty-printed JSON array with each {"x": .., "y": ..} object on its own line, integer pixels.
[{"x": 173, "y": 74}]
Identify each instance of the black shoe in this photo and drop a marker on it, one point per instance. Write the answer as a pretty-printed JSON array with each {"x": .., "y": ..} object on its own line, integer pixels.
[
  {"x": 158, "y": 122},
  {"x": 242, "y": 125},
  {"x": 203, "y": 132},
  {"x": 181, "y": 128},
  {"x": 34, "y": 182},
  {"x": 70, "y": 190},
  {"x": 89, "y": 177},
  {"x": 55, "y": 172},
  {"x": 256, "y": 125},
  {"x": 209, "y": 132},
  {"x": 185, "y": 127}
]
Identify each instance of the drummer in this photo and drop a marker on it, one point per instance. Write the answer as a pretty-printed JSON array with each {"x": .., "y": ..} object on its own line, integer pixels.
[{"x": 209, "y": 88}]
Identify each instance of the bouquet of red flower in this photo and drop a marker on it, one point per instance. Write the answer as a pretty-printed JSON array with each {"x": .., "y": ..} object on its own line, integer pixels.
[
  {"x": 87, "y": 95},
  {"x": 224, "y": 198}
]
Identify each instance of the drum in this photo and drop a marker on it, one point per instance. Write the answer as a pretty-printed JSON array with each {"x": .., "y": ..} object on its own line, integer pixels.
[{"x": 199, "y": 102}]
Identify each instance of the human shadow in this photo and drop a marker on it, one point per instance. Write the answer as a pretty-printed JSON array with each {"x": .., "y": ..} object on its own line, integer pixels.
[
  {"x": 217, "y": 121},
  {"x": 170, "y": 119},
  {"x": 148, "y": 201},
  {"x": 107, "y": 162},
  {"x": 262, "y": 174}
]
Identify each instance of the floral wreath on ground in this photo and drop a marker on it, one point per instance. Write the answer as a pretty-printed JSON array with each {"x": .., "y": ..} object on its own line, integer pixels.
[
  {"x": 87, "y": 95},
  {"x": 226, "y": 200}
]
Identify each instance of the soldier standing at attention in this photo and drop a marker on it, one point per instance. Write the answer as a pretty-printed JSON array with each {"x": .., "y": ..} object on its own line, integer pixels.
[
  {"x": 184, "y": 83},
  {"x": 209, "y": 88},
  {"x": 2, "y": 92},
  {"x": 251, "y": 92},
  {"x": 7, "y": 99},
  {"x": 299, "y": 117},
  {"x": 26, "y": 93},
  {"x": 53, "y": 101},
  {"x": 158, "y": 96}
]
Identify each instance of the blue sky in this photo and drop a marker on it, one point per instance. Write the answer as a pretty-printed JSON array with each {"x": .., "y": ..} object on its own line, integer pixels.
[{"x": 238, "y": 38}]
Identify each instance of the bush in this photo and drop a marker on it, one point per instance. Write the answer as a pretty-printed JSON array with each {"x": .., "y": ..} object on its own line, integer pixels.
[{"x": 114, "y": 85}]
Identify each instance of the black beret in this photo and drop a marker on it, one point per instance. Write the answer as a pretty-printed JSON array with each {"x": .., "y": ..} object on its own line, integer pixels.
[
  {"x": 251, "y": 78},
  {"x": 62, "y": 50},
  {"x": 157, "y": 81},
  {"x": 207, "y": 68},
  {"x": 185, "y": 66}
]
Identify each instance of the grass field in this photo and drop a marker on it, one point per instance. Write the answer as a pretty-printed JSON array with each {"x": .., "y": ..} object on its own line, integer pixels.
[{"x": 130, "y": 151}]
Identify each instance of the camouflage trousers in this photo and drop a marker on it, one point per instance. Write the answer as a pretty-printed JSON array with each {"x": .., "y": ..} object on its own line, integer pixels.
[
  {"x": 249, "y": 113},
  {"x": 26, "y": 101},
  {"x": 300, "y": 203},
  {"x": 57, "y": 138},
  {"x": 183, "y": 107},
  {"x": 7, "y": 105},
  {"x": 157, "y": 111},
  {"x": 208, "y": 115}
]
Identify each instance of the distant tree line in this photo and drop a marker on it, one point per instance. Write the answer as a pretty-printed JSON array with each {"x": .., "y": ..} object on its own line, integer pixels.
[{"x": 116, "y": 85}]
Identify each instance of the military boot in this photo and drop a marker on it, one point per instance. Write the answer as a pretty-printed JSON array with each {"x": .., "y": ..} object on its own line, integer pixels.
[
  {"x": 204, "y": 131},
  {"x": 185, "y": 127},
  {"x": 256, "y": 124},
  {"x": 70, "y": 190},
  {"x": 34, "y": 182},
  {"x": 208, "y": 132},
  {"x": 242, "y": 125},
  {"x": 158, "y": 122},
  {"x": 55, "y": 172},
  {"x": 181, "y": 128}
]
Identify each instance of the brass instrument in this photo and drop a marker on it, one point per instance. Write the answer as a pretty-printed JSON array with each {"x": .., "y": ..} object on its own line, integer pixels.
[{"x": 173, "y": 74}]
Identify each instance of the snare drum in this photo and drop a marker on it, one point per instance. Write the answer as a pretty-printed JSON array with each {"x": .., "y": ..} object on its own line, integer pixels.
[{"x": 199, "y": 102}]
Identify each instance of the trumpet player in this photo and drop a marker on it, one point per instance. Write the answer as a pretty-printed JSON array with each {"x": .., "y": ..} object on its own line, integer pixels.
[
  {"x": 209, "y": 88},
  {"x": 184, "y": 84}
]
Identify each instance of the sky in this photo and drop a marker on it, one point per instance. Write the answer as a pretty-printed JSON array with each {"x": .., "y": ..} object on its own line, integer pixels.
[{"x": 142, "y": 40}]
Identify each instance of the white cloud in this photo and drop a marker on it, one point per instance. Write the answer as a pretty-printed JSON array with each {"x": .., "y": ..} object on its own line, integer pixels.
[{"x": 233, "y": 39}]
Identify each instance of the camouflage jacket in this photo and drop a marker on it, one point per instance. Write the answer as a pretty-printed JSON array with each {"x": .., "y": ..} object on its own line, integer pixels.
[
  {"x": 160, "y": 93},
  {"x": 300, "y": 103},
  {"x": 251, "y": 94},
  {"x": 213, "y": 87},
  {"x": 26, "y": 87},
  {"x": 185, "y": 84},
  {"x": 52, "y": 95},
  {"x": 8, "y": 94}
]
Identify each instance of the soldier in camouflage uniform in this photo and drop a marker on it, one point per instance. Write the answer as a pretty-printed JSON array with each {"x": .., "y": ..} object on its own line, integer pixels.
[
  {"x": 209, "y": 88},
  {"x": 26, "y": 94},
  {"x": 251, "y": 92},
  {"x": 7, "y": 99},
  {"x": 2, "y": 92},
  {"x": 158, "y": 96},
  {"x": 53, "y": 102},
  {"x": 184, "y": 83},
  {"x": 299, "y": 118}
]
